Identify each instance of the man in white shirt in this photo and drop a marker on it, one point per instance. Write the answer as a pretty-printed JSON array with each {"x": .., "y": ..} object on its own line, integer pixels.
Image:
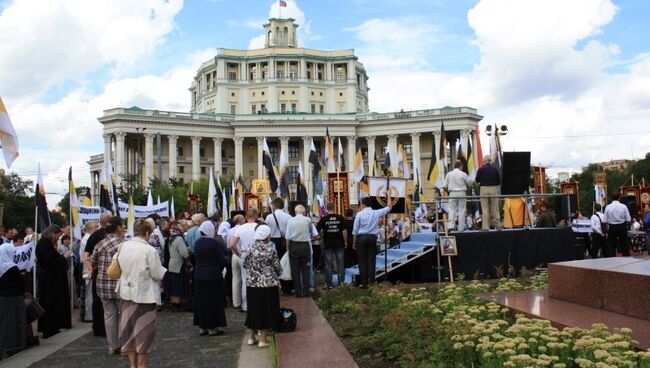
[
  {"x": 455, "y": 184},
  {"x": 597, "y": 233},
  {"x": 298, "y": 237},
  {"x": 242, "y": 240},
  {"x": 277, "y": 221},
  {"x": 235, "y": 263},
  {"x": 617, "y": 216}
]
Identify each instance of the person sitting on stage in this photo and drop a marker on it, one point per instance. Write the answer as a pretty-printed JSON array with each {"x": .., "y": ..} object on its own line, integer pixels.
[
  {"x": 489, "y": 180},
  {"x": 455, "y": 184},
  {"x": 544, "y": 217}
]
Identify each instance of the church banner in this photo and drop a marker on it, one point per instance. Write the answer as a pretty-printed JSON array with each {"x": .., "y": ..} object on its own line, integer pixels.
[
  {"x": 396, "y": 188},
  {"x": 337, "y": 191}
]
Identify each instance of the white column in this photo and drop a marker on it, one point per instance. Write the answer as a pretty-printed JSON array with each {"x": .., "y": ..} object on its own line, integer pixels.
[
  {"x": 243, "y": 74},
  {"x": 354, "y": 189},
  {"x": 218, "y": 164},
  {"x": 371, "y": 152},
  {"x": 415, "y": 154},
  {"x": 284, "y": 146},
  {"x": 148, "y": 153},
  {"x": 303, "y": 69},
  {"x": 196, "y": 158},
  {"x": 306, "y": 166},
  {"x": 173, "y": 151},
  {"x": 120, "y": 157},
  {"x": 239, "y": 159},
  {"x": 107, "y": 146},
  {"x": 392, "y": 147},
  {"x": 93, "y": 187},
  {"x": 351, "y": 71}
]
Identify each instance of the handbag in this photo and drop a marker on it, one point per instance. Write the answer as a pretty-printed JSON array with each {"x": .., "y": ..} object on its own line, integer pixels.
[
  {"x": 33, "y": 309},
  {"x": 288, "y": 320},
  {"x": 114, "y": 271},
  {"x": 286, "y": 267}
]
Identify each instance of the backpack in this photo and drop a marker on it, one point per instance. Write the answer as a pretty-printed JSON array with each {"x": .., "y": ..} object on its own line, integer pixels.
[{"x": 288, "y": 320}]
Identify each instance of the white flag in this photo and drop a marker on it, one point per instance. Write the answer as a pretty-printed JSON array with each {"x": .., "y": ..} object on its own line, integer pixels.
[
  {"x": 149, "y": 199},
  {"x": 8, "y": 136},
  {"x": 212, "y": 192}
]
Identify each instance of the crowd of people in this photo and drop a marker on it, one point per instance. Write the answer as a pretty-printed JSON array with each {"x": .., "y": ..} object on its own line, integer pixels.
[{"x": 192, "y": 263}]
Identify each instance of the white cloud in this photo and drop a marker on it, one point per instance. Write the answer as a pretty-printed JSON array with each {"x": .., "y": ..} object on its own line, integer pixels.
[
  {"x": 541, "y": 72},
  {"x": 45, "y": 43}
]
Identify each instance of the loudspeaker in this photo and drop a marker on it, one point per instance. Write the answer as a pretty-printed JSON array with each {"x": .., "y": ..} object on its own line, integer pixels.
[
  {"x": 562, "y": 207},
  {"x": 515, "y": 172},
  {"x": 293, "y": 204}
]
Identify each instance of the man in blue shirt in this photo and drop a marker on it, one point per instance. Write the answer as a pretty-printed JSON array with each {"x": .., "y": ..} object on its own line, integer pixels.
[{"x": 364, "y": 231}]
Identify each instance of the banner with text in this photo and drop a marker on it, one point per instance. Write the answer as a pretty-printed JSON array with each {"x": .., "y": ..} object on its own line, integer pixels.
[
  {"x": 161, "y": 209},
  {"x": 25, "y": 256}
]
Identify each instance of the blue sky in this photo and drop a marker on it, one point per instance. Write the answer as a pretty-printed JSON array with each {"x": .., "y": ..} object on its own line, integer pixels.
[{"x": 545, "y": 67}]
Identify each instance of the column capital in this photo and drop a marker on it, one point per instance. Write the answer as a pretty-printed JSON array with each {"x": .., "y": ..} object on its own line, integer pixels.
[
  {"x": 238, "y": 140},
  {"x": 107, "y": 137},
  {"x": 196, "y": 140},
  {"x": 351, "y": 138},
  {"x": 415, "y": 135},
  {"x": 392, "y": 136},
  {"x": 149, "y": 136},
  {"x": 284, "y": 139},
  {"x": 370, "y": 138},
  {"x": 120, "y": 135},
  {"x": 436, "y": 133},
  {"x": 306, "y": 138},
  {"x": 217, "y": 140},
  {"x": 260, "y": 140},
  {"x": 172, "y": 138}
]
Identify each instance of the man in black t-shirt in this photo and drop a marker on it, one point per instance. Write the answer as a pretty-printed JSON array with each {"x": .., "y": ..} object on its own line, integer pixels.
[
  {"x": 335, "y": 240},
  {"x": 93, "y": 240}
]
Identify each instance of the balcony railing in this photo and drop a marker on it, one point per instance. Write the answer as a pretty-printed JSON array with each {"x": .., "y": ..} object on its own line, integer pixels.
[
  {"x": 417, "y": 113},
  {"x": 169, "y": 114}
]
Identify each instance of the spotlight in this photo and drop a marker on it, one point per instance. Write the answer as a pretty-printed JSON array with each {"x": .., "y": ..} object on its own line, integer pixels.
[
  {"x": 504, "y": 129},
  {"x": 488, "y": 129}
]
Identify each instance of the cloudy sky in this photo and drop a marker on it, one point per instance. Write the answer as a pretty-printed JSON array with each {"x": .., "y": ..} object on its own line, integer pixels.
[{"x": 570, "y": 79}]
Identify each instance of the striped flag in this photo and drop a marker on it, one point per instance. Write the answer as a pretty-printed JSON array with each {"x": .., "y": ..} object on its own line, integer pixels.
[
  {"x": 267, "y": 161},
  {"x": 359, "y": 171},
  {"x": 42, "y": 213},
  {"x": 74, "y": 207},
  {"x": 105, "y": 201},
  {"x": 285, "y": 175},
  {"x": 87, "y": 199},
  {"x": 301, "y": 189},
  {"x": 315, "y": 174},
  {"x": 471, "y": 160},
  {"x": 329, "y": 153},
  {"x": 436, "y": 174},
  {"x": 341, "y": 166},
  {"x": 403, "y": 169},
  {"x": 479, "y": 151},
  {"x": 8, "y": 136},
  {"x": 283, "y": 4}
]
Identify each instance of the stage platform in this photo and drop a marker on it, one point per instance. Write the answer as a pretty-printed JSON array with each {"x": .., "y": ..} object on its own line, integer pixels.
[{"x": 479, "y": 253}]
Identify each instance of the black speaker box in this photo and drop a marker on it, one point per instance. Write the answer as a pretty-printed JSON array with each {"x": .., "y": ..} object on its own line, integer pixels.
[
  {"x": 562, "y": 210},
  {"x": 515, "y": 172}
]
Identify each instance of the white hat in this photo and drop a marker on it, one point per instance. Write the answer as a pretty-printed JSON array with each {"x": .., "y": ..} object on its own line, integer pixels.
[
  {"x": 207, "y": 228},
  {"x": 262, "y": 232}
]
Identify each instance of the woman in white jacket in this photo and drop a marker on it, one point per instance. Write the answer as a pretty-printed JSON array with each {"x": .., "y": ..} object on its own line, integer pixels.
[{"x": 139, "y": 288}]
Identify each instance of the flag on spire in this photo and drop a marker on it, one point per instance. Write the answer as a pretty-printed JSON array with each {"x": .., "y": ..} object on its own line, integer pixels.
[
  {"x": 8, "y": 136},
  {"x": 315, "y": 173}
]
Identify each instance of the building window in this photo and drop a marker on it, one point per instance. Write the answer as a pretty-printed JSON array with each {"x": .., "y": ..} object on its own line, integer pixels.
[
  {"x": 341, "y": 94},
  {"x": 202, "y": 170},
  {"x": 317, "y": 146},
  {"x": 233, "y": 109},
  {"x": 280, "y": 75},
  {"x": 341, "y": 107},
  {"x": 225, "y": 171},
  {"x": 232, "y": 76},
  {"x": 293, "y": 108},
  {"x": 282, "y": 92},
  {"x": 181, "y": 169},
  {"x": 292, "y": 75},
  {"x": 313, "y": 108},
  {"x": 253, "y": 94},
  {"x": 253, "y": 109},
  {"x": 294, "y": 150},
  {"x": 293, "y": 93},
  {"x": 251, "y": 159},
  {"x": 340, "y": 77},
  {"x": 262, "y": 93},
  {"x": 263, "y": 108},
  {"x": 293, "y": 173},
  {"x": 322, "y": 109},
  {"x": 251, "y": 173},
  {"x": 179, "y": 151},
  {"x": 283, "y": 108},
  {"x": 232, "y": 94},
  {"x": 312, "y": 93},
  {"x": 202, "y": 152},
  {"x": 321, "y": 94},
  {"x": 223, "y": 153}
]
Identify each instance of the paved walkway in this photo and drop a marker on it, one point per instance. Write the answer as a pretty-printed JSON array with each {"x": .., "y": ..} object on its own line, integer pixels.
[{"x": 177, "y": 345}]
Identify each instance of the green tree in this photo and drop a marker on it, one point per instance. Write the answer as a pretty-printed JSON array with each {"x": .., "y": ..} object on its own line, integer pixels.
[{"x": 64, "y": 203}]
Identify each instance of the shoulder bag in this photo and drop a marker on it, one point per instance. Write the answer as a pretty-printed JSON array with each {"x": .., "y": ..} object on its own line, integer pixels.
[{"x": 114, "y": 271}]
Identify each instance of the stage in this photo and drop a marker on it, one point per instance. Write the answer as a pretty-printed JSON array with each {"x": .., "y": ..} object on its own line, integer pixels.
[{"x": 480, "y": 253}]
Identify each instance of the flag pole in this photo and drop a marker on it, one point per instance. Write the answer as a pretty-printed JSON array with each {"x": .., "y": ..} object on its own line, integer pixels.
[{"x": 35, "y": 240}]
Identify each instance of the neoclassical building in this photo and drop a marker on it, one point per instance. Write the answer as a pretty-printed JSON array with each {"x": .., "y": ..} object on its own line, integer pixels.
[{"x": 289, "y": 95}]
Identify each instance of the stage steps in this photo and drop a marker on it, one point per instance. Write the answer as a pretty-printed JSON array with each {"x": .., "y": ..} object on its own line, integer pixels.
[{"x": 418, "y": 245}]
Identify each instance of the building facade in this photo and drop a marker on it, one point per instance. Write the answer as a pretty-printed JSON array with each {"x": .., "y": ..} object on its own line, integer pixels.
[{"x": 287, "y": 94}]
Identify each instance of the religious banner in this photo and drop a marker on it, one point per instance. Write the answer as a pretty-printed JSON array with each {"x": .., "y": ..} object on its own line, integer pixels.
[
  {"x": 631, "y": 197},
  {"x": 338, "y": 191},
  {"x": 252, "y": 201},
  {"x": 193, "y": 204},
  {"x": 572, "y": 189},
  {"x": 645, "y": 200},
  {"x": 380, "y": 187},
  {"x": 600, "y": 178}
]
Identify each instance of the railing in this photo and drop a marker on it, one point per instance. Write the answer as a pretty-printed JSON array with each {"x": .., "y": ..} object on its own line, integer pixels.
[
  {"x": 417, "y": 113},
  {"x": 169, "y": 114}
]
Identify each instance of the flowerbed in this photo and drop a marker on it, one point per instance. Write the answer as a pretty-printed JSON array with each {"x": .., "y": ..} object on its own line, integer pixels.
[{"x": 450, "y": 327}]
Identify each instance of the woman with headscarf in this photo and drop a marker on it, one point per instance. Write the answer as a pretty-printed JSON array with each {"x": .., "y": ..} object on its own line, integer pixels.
[
  {"x": 139, "y": 289},
  {"x": 209, "y": 294},
  {"x": 263, "y": 269},
  {"x": 175, "y": 254},
  {"x": 13, "y": 317},
  {"x": 53, "y": 289}
]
